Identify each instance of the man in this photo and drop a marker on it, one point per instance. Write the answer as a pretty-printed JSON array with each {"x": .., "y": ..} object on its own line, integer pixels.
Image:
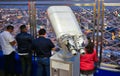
[
  {"x": 43, "y": 47},
  {"x": 8, "y": 42},
  {"x": 24, "y": 41}
]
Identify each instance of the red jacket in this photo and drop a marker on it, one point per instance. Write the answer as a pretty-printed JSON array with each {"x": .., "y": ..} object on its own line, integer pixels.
[{"x": 87, "y": 61}]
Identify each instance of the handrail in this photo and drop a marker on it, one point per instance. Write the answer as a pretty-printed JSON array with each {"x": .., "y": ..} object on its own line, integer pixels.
[{"x": 112, "y": 4}]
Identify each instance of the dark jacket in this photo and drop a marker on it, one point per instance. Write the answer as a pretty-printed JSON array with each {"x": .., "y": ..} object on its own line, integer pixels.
[
  {"x": 24, "y": 41},
  {"x": 43, "y": 46}
]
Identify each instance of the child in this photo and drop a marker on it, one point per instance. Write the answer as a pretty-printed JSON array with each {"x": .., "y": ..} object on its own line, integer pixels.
[{"x": 87, "y": 61}]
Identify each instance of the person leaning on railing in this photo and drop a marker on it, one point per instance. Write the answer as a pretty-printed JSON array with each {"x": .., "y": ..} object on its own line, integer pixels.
[{"x": 43, "y": 47}]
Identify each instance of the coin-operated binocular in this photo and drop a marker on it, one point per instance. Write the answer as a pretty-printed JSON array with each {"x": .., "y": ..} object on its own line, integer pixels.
[{"x": 70, "y": 38}]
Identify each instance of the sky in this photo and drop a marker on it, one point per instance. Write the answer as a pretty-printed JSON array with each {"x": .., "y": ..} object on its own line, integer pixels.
[
  {"x": 67, "y": 0},
  {"x": 114, "y": 1},
  {"x": 79, "y": 1}
]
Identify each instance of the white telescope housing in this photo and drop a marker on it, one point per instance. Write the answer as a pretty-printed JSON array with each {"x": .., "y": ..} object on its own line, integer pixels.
[
  {"x": 66, "y": 27},
  {"x": 63, "y": 21}
]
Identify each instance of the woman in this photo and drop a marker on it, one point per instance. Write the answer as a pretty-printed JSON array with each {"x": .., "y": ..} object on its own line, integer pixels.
[{"x": 87, "y": 61}]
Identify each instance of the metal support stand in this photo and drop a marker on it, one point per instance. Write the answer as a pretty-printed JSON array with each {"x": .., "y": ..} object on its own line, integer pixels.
[{"x": 64, "y": 67}]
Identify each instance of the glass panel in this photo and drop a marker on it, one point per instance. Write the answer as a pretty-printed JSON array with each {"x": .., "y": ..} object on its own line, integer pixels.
[
  {"x": 17, "y": 13},
  {"x": 111, "y": 39}
]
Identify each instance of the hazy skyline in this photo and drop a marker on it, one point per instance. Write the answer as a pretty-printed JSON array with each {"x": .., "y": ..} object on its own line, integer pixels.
[{"x": 115, "y": 1}]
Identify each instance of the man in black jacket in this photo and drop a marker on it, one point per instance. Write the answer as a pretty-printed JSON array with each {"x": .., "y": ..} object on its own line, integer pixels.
[
  {"x": 43, "y": 47},
  {"x": 24, "y": 41}
]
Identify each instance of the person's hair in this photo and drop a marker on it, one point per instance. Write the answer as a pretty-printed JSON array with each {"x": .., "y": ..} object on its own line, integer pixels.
[
  {"x": 22, "y": 27},
  {"x": 42, "y": 32},
  {"x": 90, "y": 46},
  {"x": 10, "y": 27}
]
